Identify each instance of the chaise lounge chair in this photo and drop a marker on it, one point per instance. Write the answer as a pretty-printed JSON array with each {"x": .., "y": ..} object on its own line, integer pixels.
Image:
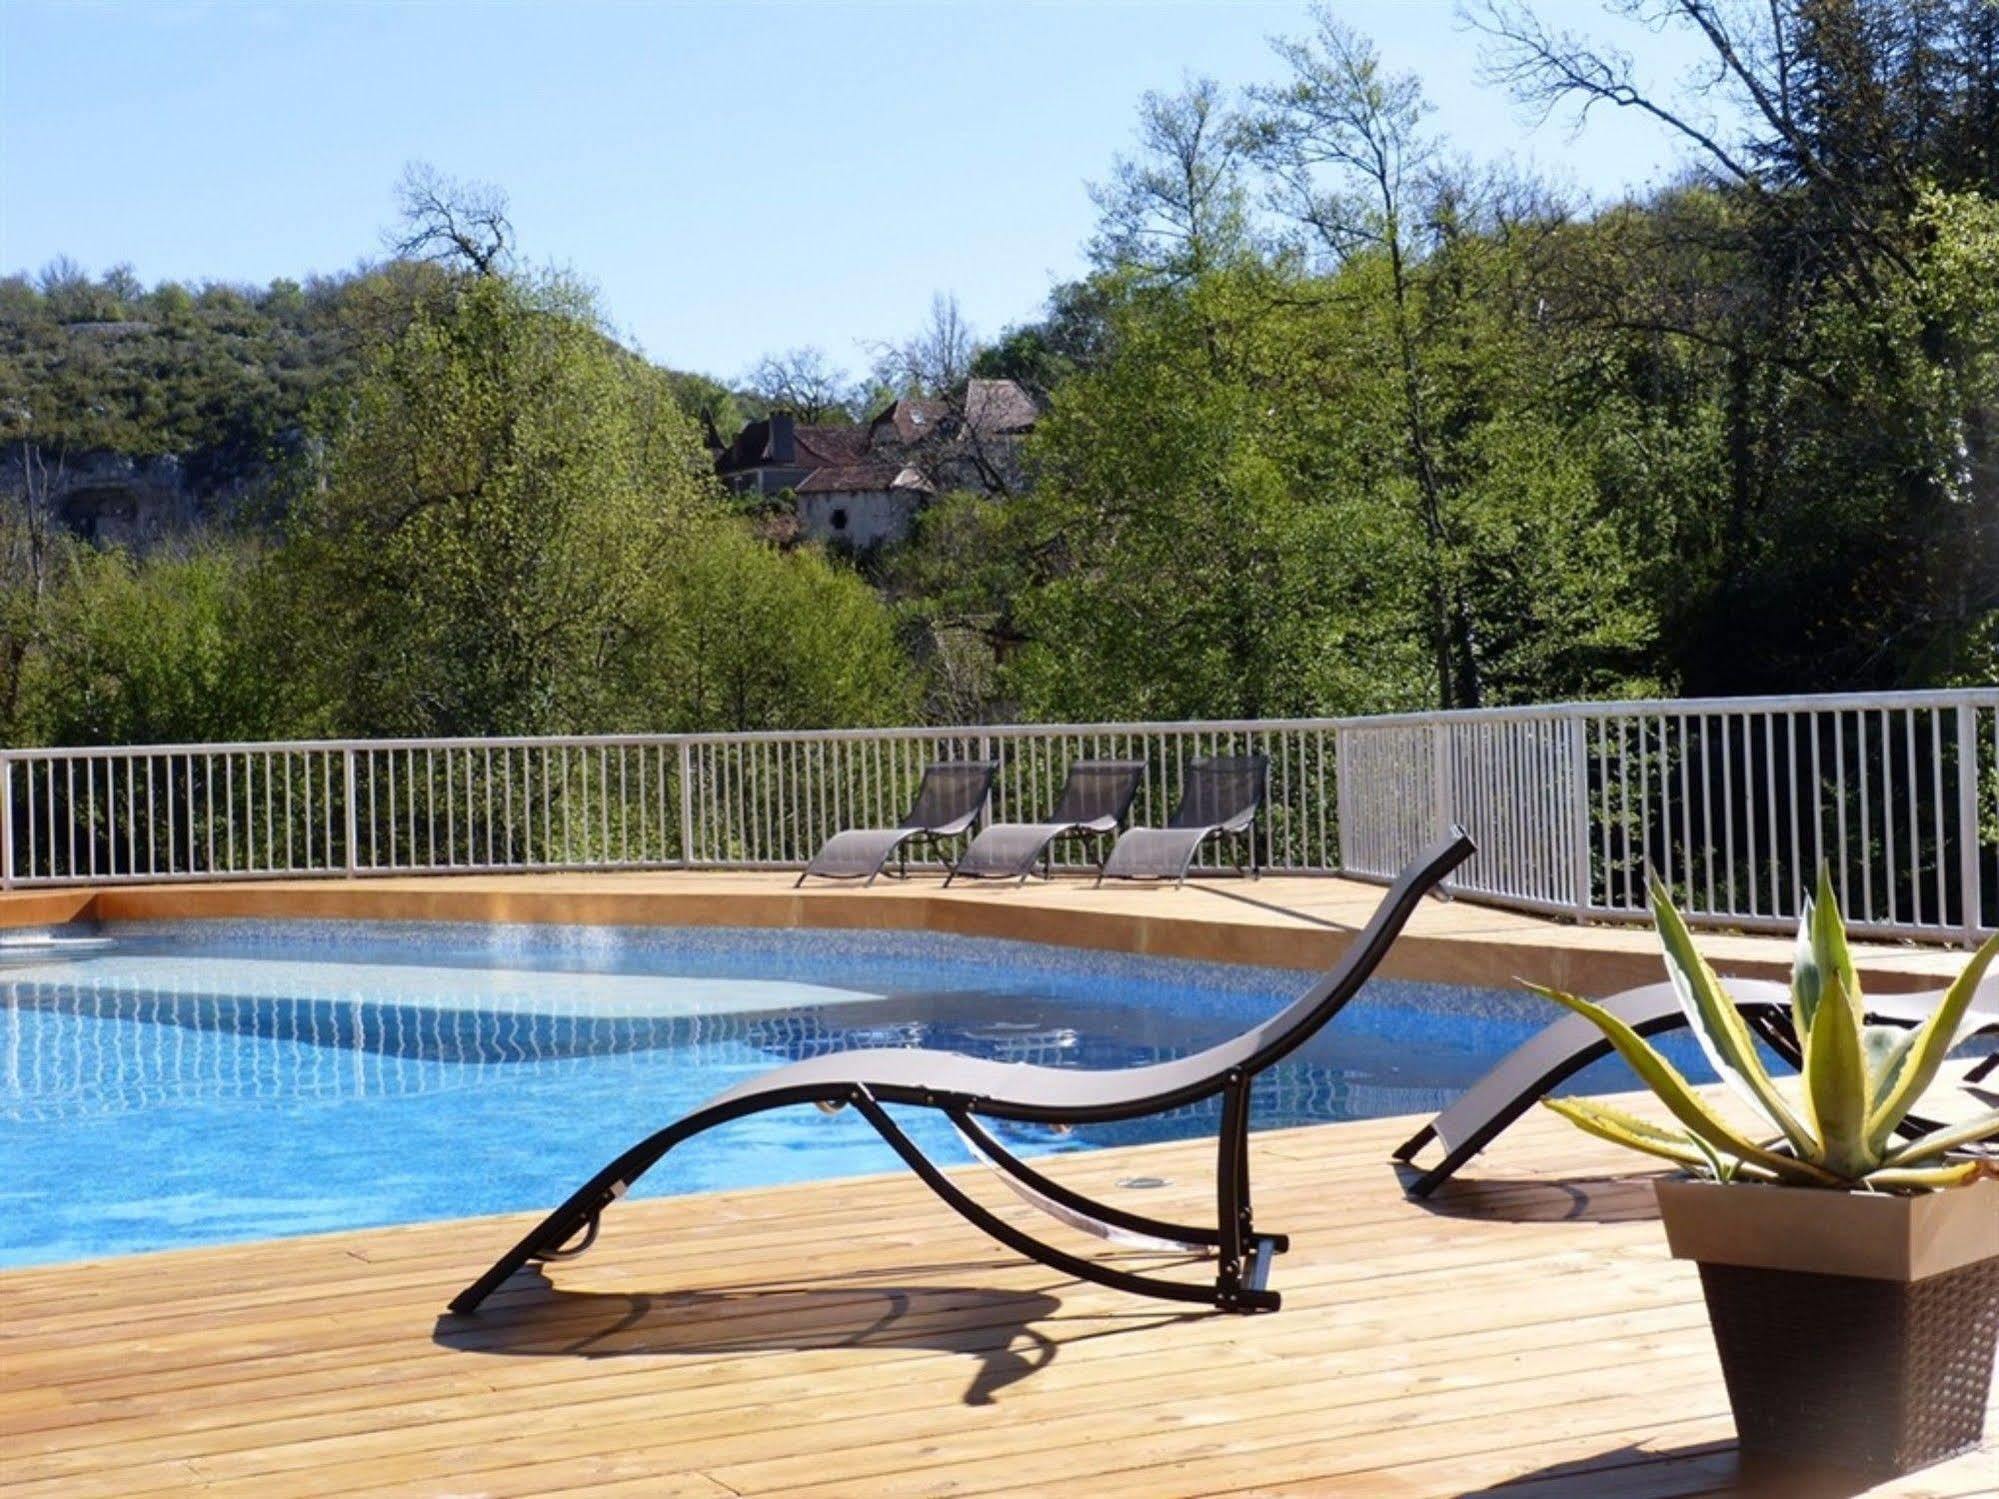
[
  {"x": 948, "y": 801},
  {"x": 1220, "y": 800},
  {"x": 1542, "y": 1063},
  {"x": 967, "y": 1089},
  {"x": 1096, "y": 798}
]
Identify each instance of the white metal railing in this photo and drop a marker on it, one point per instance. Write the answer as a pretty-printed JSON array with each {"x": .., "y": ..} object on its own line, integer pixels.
[
  {"x": 768, "y": 800},
  {"x": 1732, "y": 802}
]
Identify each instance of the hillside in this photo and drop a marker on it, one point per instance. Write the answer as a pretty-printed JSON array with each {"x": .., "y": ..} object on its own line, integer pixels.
[{"x": 148, "y": 411}]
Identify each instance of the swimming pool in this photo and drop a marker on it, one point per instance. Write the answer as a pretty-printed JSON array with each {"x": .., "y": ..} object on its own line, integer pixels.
[{"x": 200, "y": 1082}]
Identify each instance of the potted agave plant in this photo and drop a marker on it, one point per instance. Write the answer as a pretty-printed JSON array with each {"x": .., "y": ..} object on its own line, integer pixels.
[{"x": 1849, "y": 1257}]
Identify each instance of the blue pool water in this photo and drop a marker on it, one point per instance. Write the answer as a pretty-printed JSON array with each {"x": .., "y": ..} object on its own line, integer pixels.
[{"x": 201, "y": 1082}]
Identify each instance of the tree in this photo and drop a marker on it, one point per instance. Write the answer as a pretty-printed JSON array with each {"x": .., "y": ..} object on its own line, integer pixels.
[
  {"x": 803, "y": 382},
  {"x": 1069, "y": 337},
  {"x": 934, "y": 361},
  {"x": 483, "y": 536},
  {"x": 449, "y": 222},
  {"x": 1178, "y": 208},
  {"x": 752, "y": 638},
  {"x": 31, "y": 548},
  {"x": 1186, "y": 557},
  {"x": 169, "y": 649},
  {"x": 1853, "y": 533},
  {"x": 513, "y": 529},
  {"x": 1342, "y": 143}
]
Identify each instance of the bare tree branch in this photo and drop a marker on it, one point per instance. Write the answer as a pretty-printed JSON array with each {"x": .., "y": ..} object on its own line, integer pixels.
[
  {"x": 804, "y": 382},
  {"x": 446, "y": 221}
]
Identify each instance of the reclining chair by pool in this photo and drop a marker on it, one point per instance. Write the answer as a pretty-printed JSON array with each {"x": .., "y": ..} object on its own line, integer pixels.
[
  {"x": 1220, "y": 801},
  {"x": 1096, "y": 798},
  {"x": 1545, "y": 1060},
  {"x": 948, "y": 801},
  {"x": 968, "y": 1089}
]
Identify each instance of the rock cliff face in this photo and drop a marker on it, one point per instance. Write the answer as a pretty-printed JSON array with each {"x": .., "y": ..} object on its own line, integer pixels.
[{"x": 116, "y": 499}]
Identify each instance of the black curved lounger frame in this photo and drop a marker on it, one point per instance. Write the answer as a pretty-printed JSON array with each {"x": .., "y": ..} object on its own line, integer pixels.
[
  {"x": 1095, "y": 800},
  {"x": 1541, "y": 1064},
  {"x": 948, "y": 801},
  {"x": 967, "y": 1090}
]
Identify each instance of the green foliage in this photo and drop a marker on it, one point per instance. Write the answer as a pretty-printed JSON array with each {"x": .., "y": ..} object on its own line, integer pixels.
[
  {"x": 1186, "y": 563},
  {"x": 499, "y": 521},
  {"x": 1066, "y": 340},
  {"x": 168, "y": 651},
  {"x": 512, "y": 530},
  {"x": 1233, "y": 472},
  {"x": 1860, "y": 1081},
  {"x": 1337, "y": 423},
  {"x": 753, "y": 638},
  {"x": 482, "y": 534}
]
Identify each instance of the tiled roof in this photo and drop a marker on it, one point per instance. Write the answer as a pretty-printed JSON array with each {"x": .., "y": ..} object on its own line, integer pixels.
[
  {"x": 853, "y": 459},
  {"x": 913, "y": 418},
  {"x": 993, "y": 407},
  {"x": 863, "y": 478},
  {"x": 812, "y": 447},
  {"x": 819, "y": 446}
]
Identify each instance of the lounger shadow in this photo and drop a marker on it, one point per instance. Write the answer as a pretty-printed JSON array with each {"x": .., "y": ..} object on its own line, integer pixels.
[
  {"x": 1095, "y": 800},
  {"x": 948, "y": 801},
  {"x": 1006, "y": 1341},
  {"x": 1220, "y": 801},
  {"x": 968, "y": 1089}
]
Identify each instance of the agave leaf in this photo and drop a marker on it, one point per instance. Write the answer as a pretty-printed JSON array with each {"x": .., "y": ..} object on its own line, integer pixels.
[
  {"x": 1629, "y": 1130},
  {"x": 1678, "y": 1095},
  {"x": 1930, "y": 1045},
  {"x": 1833, "y": 956},
  {"x": 1712, "y": 1156},
  {"x": 1807, "y": 977},
  {"x": 1723, "y": 1171},
  {"x": 1620, "y": 1128},
  {"x": 1921, "y": 1177},
  {"x": 1723, "y": 1034},
  {"x": 1836, "y": 1084},
  {"x": 1887, "y": 1048},
  {"x": 1947, "y": 1137}
]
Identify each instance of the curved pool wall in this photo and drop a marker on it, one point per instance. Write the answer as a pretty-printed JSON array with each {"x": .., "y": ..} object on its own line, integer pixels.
[{"x": 209, "y": 1081}]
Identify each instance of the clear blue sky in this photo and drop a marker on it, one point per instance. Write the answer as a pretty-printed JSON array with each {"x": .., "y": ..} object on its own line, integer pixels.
[{"x": 734, "y": 178}]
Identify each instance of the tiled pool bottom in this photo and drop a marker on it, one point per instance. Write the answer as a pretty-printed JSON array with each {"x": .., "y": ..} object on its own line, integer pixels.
[{"x": 200, "y": 1082}]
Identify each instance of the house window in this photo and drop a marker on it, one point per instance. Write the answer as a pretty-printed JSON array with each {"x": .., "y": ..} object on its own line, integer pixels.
[{"x": 839, "y": 520}]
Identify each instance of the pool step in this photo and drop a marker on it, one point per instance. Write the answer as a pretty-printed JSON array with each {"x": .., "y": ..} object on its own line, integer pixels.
[{"x": 23, "y": 947}]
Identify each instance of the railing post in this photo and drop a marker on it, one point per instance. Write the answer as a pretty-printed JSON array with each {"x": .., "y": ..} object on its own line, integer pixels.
[
  {"x": 352, "y": 819},
  {"x": 686, "y": 804},
  {"x": 6, "y": 822},
  {"x": 1342, "y": 851},
  {"x": 1578, "y": 810},
  {"x": 1968, "y": 843},
  {"x": 1440, "y": 762}
]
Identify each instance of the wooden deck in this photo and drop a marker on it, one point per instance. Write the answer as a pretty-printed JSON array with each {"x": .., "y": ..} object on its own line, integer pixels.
[{"x": 854, "y": 1337}]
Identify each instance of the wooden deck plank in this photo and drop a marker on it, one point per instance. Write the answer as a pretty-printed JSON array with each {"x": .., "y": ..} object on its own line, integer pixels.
[{"x": 853, "y": 1337}]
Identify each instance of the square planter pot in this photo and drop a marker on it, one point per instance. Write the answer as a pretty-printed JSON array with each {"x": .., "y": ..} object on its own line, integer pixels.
[{"x": 1856, "y": 1330}]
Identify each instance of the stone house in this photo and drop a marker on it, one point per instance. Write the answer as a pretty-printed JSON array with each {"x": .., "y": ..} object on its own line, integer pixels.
[{"x": 864, "y": 486}]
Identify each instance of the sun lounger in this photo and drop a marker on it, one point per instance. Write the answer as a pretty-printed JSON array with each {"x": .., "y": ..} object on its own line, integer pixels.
[
  {"x": 948, "y": 801},
  {"x": 1220, "y": 801},
  {"x": 968, "y": 1090},
  {"x": 1541, "y": 1064},
  {"x": 1096, "y": 798}
]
